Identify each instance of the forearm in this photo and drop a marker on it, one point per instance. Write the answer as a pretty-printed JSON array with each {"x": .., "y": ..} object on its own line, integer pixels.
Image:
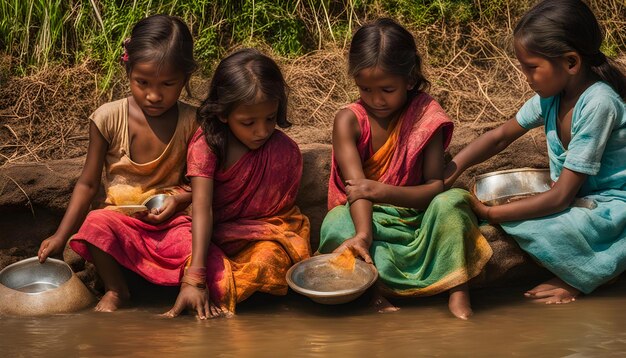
[
  {"x": 478, "y": 151},
  {"x": 361, "y": 213},
  {"x": 417, "y": 197},
  {"x": 201, "y": 229},
  {"x": 540, "y": 205}
]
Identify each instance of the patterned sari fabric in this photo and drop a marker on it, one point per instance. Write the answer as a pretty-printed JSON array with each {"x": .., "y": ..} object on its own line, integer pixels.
[
  {"x": 258, "y": 232},
  {"x": 417, "y": 253},
  {"x": 156, "y": 252}
]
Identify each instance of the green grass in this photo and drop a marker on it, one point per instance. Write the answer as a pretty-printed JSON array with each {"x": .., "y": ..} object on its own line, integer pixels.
[{"x": 40, "y": 32}]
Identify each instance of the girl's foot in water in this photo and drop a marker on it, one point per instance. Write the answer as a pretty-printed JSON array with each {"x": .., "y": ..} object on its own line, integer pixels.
[
  {"x": 554, "y": 291},
  {"x": 382, "y": 305},
  {"x": 111, "y": 301},
  {"x": 459, "y": 302}
]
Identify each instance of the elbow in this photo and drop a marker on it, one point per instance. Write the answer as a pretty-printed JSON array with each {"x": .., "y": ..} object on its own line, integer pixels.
[
  {"x": 560, "y": 201},
  {"x": 438, "y": 187}
]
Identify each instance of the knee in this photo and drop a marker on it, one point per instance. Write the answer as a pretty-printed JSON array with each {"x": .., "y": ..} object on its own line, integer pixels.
[
  {"x": 97, "y": 215},
  {"x": 450, "y": 199}
]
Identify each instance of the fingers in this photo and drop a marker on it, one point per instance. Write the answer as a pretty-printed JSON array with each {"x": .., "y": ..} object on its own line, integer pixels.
[
  {"x": 175, "y": 311},
  {"x": 363, "y": 254},
  {"x": 43, "y": 252}
]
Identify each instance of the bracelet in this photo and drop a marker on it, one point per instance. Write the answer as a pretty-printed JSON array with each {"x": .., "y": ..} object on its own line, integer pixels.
[{"x": 192, "y": 281}]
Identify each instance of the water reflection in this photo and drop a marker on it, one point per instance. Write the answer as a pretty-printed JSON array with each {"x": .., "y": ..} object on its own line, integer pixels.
[{"x": 504, "y": 324}]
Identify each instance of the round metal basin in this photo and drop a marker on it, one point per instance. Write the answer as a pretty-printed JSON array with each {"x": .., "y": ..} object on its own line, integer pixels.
[
  {"x": 31, "y": 288},
  {"x": 501, "y": 187},
  {"x": 318, "y": 280}
]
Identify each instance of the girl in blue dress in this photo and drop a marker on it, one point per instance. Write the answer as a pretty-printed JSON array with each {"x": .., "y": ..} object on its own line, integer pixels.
[{"x": 580, "y": 103}]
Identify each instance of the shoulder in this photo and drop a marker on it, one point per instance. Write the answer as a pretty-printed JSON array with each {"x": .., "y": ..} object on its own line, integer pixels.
[
  {"x": 281, "y": 140},
  {"x": 110, "y": 109},
  {"x": 345, "y": 114},
  {"x": 187, "y": 114},
  {"x": 347, "y": 122},
  {"x": 197, "y": 139},
  {"x": 602, "y": 102},
  {"x": 600, "y": 95},
  {"x": 186, "y": 110}
]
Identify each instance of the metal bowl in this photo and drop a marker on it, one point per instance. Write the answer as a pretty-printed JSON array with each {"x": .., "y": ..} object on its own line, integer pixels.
[
  {"x": 318, "y": 280},
  {"x": 505, "y": 186},
  {"x": 155, "y": 201},
  {"x": 29, "y": 287}
]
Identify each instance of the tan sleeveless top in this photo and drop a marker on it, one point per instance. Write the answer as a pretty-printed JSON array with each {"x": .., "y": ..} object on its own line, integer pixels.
[{"x": 127, "y": 182}]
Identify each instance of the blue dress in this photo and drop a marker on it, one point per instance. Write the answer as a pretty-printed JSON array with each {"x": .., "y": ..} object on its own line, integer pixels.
[{"x": 584, "y": 246}]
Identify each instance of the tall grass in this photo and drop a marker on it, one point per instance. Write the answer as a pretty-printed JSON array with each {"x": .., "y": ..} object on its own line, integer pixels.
[{"x": 37, "y": 32}]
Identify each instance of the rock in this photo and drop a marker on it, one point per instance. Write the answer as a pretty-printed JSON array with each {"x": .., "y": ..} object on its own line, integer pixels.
[{"x": 33, "y": 198}]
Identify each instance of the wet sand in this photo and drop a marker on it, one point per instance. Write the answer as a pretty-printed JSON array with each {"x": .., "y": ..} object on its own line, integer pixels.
[{"x": 504, "y": 324}]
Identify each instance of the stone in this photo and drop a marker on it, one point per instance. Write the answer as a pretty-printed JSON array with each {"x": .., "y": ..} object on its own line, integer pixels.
[{"x": 33, "y": 198}]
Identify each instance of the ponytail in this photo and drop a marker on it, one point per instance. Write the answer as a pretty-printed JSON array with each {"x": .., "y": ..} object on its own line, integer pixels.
[{"x": 610, "y": 72}]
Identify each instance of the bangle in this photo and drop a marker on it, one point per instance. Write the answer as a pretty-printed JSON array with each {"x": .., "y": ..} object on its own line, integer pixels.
[{"x": 193, "y": 281}]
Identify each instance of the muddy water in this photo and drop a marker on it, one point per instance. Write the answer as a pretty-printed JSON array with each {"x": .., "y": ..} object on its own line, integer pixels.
[{"x": 505, "y": 324}]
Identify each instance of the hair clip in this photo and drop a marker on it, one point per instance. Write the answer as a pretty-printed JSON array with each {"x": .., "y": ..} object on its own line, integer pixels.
[{"x": 124, "y": 57}]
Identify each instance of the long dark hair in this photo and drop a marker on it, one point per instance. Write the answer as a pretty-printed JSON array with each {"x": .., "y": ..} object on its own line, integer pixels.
[
  {"x": 555, "y": 27},
  {"x": 387, "y": 45},
  {"x": 162, "y": 39},
  {"x": 239, "y": 79}
]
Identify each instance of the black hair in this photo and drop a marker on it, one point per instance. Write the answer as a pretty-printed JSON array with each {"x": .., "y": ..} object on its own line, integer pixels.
[
  {"x": 162, "y": 39},
  {"x": 239, "y": 79},
  {"x": 389, "y": 46},
  {"x": 554, "y": 27}
]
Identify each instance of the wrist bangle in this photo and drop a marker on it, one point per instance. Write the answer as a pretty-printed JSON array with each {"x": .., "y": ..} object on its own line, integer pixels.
[{"x": 193, "y": 282}]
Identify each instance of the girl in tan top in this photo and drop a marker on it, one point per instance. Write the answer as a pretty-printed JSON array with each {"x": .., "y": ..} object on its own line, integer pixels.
[{"x": 141, "y": 142}]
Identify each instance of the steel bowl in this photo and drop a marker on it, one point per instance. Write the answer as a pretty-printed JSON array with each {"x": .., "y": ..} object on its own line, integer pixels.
[
  {"x": 29, "y": 288},
  {"x": 155, "y": 201},
  {"x": 505, "y": 186},
  {"x": 318, "y": 280}
]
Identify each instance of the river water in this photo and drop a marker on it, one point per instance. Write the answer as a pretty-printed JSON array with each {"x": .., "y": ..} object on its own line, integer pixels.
[{"x": 504, "y": 324}]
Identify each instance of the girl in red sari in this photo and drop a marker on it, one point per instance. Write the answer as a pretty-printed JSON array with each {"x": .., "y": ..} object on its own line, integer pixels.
[
  {"x": 141, "y": 142},
  {"x": 246, "y": 229}
]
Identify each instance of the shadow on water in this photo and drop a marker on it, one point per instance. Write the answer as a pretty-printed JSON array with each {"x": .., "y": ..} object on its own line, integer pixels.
[{"x": 504, "y": 324}]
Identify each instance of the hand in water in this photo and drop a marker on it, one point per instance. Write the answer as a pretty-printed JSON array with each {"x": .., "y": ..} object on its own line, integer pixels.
[
  {"x": 195, "y": 298},
  {"x": 360, "y": 245}
]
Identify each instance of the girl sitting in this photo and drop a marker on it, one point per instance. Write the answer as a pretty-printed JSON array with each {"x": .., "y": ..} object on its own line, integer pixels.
[
  {"x": 245, "y": 175},
  {"x": 580, "y": 103},
  {"x": 141, "y": 141},
  {"x": 387, "y": 173}
]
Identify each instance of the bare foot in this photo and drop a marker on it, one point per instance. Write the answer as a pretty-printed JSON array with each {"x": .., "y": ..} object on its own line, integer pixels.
[
  {"x": 459, "y": 302},
  {"x": 382, "y": 305},
  {"x": 554, "y": 291},
  {"x": 111, "y": 301}
]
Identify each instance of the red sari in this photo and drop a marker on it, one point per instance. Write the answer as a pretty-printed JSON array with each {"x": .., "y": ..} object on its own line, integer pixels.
[
  {"x": 399, "y": 161},
  {"x": 258, "y": 232}
]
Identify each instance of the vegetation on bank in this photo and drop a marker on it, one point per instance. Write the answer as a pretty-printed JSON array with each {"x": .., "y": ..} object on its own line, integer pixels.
[
  {"x": 40, "y": 32},
  {"x": 59, "y": 59}
]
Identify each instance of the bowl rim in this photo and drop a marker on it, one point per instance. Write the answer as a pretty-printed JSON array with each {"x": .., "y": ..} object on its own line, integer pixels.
[
  {"x": 507, "y": 171},
  {"x": 332, "y": 294},
  {"x": 35, "y": 258},
  {"x": 152, "y": 197}
]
